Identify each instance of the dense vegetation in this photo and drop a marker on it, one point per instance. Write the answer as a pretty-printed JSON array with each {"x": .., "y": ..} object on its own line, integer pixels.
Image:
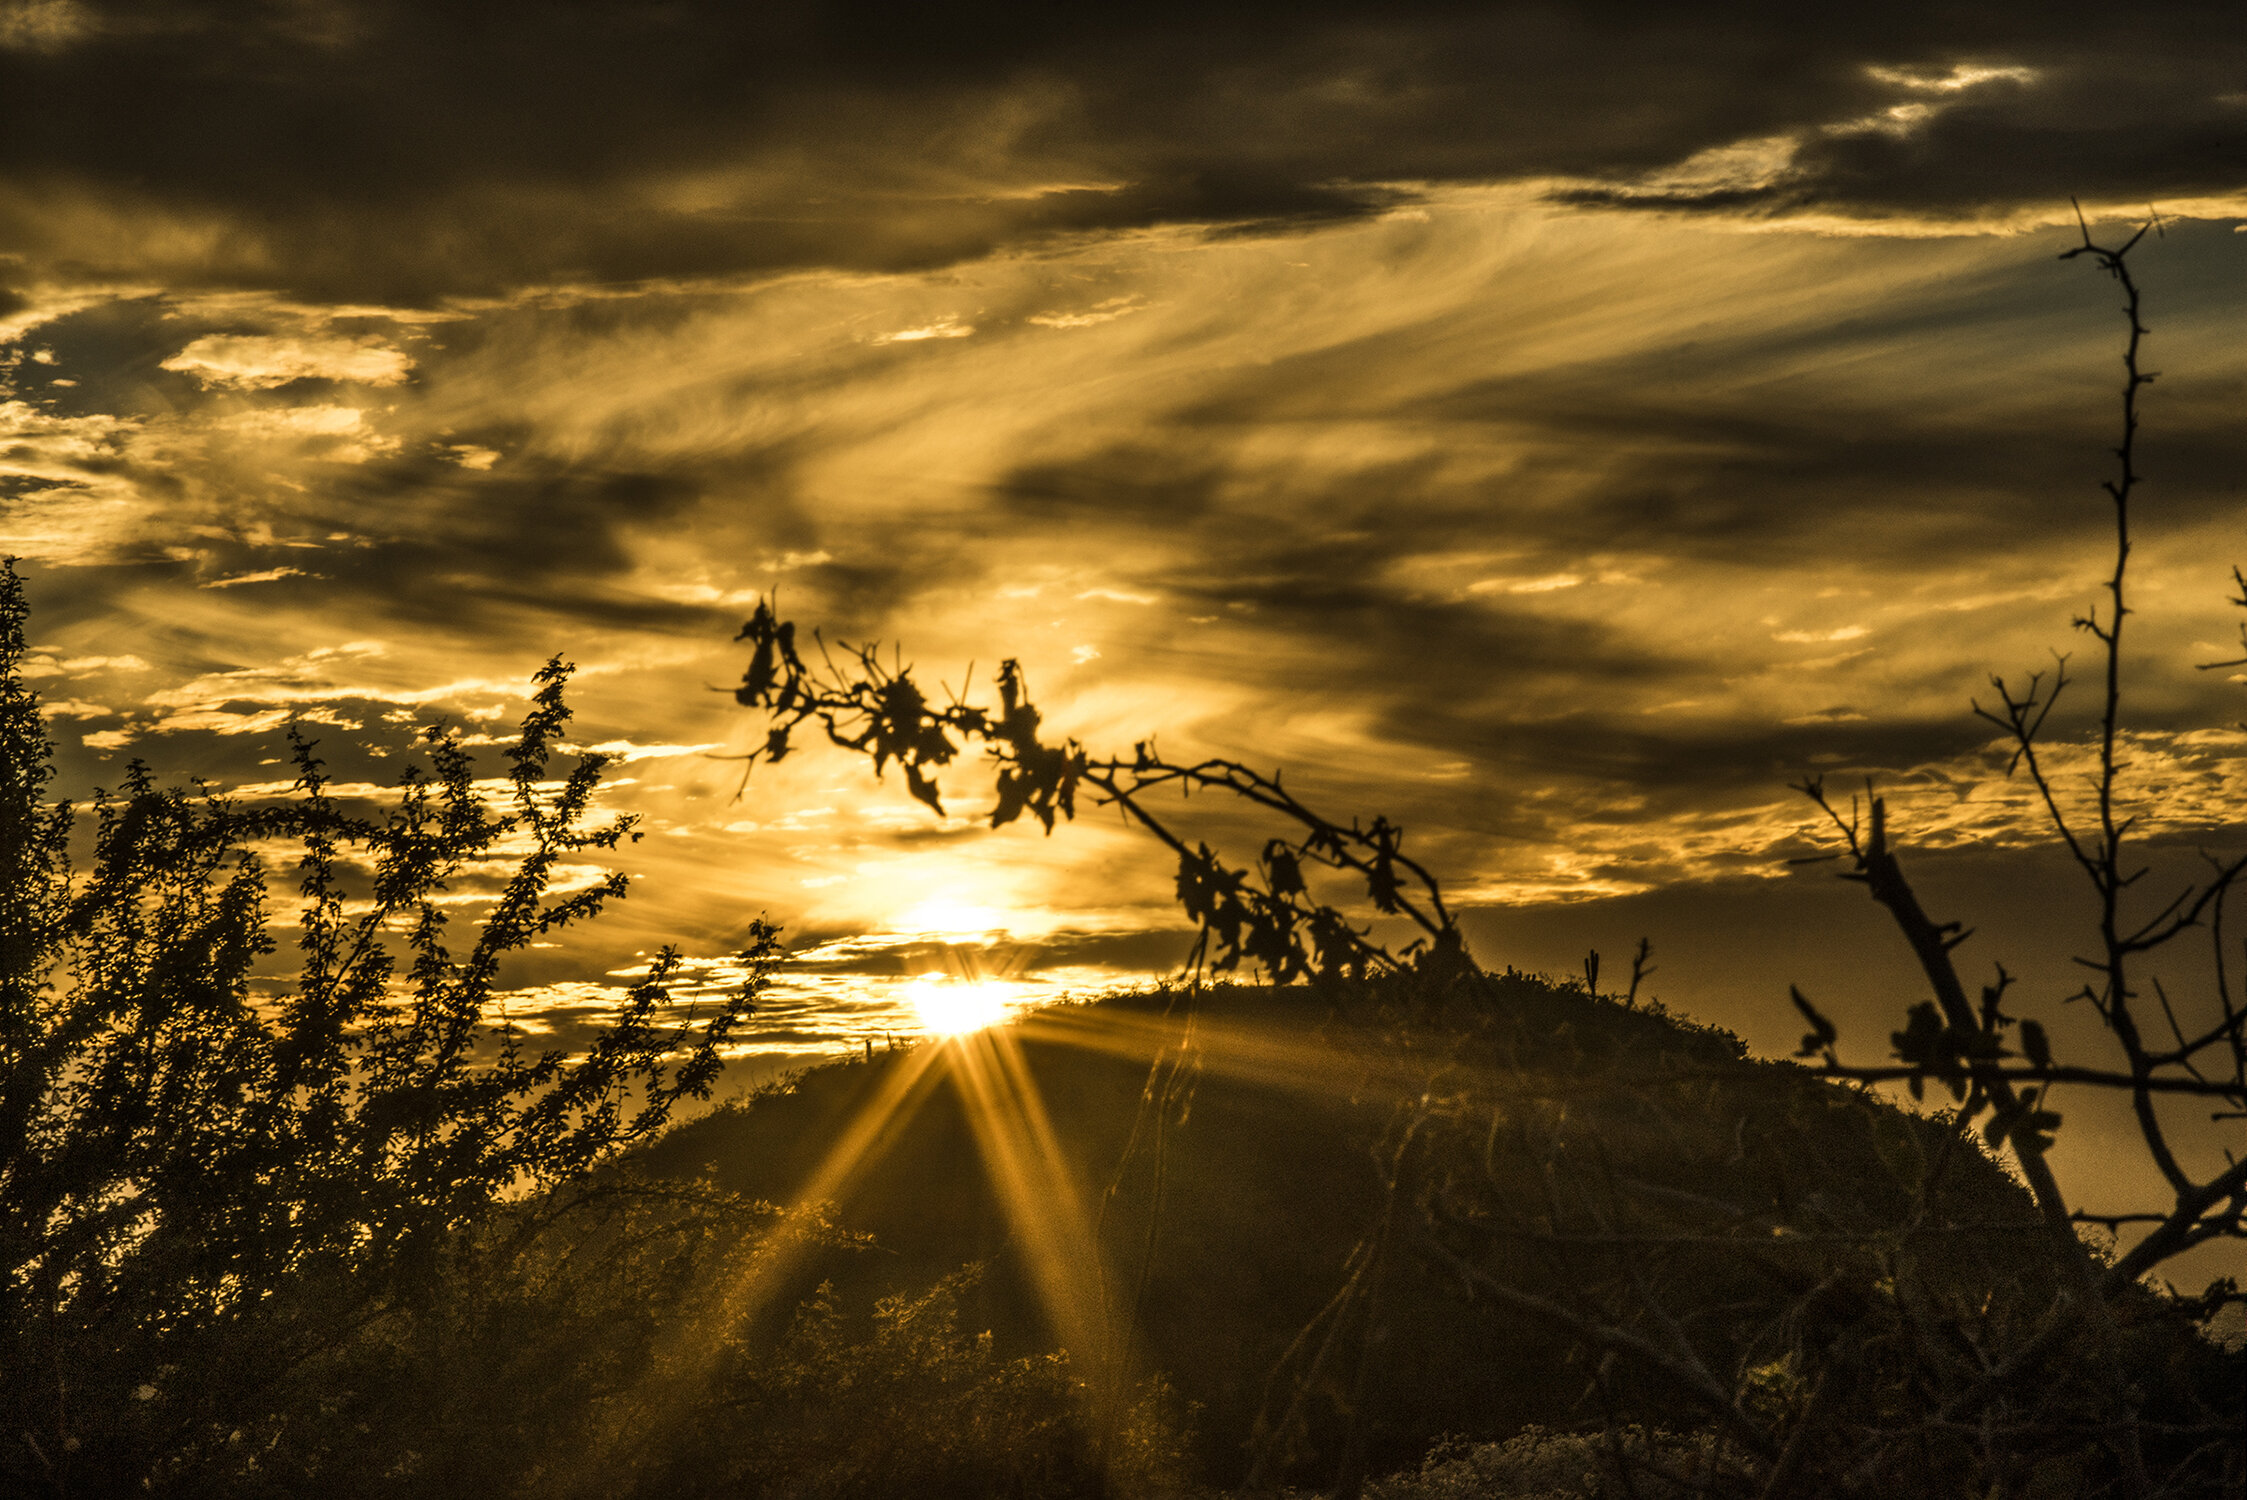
[
  {"x": 329, "y": 1224},
  {"x": 1388, "y": 1221},
  {"x": 240, "y": 1199}
]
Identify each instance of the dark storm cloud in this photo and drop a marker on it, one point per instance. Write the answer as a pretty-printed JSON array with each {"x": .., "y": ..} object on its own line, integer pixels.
[
  {"x": 537, "y": 527},
  {"x": 1345, "y": 624},
  {"x": 2152, "y": 117},
  {"x": 1770, "y": 480},
  {"x": 446, "y": 545},
  {"x": 1142, "y": 483},
  {"x": 113, "y": 352},
  {"x": 436, "y": 544},
  {"x": 1680, "y": 768},
  {"x": 412, "y": 149}
]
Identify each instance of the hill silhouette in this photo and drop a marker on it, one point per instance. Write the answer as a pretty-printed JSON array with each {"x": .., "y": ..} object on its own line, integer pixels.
[{"x": 1237, "y": 1200}]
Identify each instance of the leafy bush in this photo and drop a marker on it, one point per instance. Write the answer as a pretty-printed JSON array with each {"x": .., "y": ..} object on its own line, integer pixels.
[
  {"x": 220, "y": 1179},
  {"x": 904, "y": 1403},
  {"x": 1536, "y": 1464},
  {"x": 326, "y": 1222}
]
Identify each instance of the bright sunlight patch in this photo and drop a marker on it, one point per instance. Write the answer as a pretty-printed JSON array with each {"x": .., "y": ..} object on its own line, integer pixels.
[{"x": 954, "y": 1007}]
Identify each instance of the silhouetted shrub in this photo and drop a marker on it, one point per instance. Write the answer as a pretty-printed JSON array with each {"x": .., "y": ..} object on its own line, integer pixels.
[
  {"x": 230, "y": 1189},
  {"x": 1536, "y": 1464},
  {"x": 904, "y": 1402}
]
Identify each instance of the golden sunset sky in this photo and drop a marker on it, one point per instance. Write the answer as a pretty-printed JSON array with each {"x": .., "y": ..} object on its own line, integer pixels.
[{"x": 1558, "y": 427}]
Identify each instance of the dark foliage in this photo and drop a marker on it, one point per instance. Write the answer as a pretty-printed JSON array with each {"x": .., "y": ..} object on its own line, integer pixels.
[
  {"x": 902, "y": 1401},
  {"x": 223, "y": 1180},
  {"x": 1584, "y": 1203},
  {"x": 1268, "y": 917}
]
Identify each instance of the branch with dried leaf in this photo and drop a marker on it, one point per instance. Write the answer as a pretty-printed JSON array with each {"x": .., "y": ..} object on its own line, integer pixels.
[{"x": 1266, "y": 915}]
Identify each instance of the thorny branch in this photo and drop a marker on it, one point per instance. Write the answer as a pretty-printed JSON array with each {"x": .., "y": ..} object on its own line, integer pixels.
[{"x": 1965, "y": 1049}]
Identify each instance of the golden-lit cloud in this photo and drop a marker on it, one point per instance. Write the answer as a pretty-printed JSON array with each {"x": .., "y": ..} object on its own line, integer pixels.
[
  {"x": 268, "y": 575},
  {"x": 255, "y": 363},
  {"x": 44, "y": 25}
]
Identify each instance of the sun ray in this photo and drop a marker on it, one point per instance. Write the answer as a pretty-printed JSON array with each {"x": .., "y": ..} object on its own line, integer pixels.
[
  {"x": 782, "y": 1250},
  {"x": 1267, "y": 1055},
  {"x": 1037, "y": 1190},
  {"x": 904, "y": 1085},
  {"x": 975, "y": 1043}
]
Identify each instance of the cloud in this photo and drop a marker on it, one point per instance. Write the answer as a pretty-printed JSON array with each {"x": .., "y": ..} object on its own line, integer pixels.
[
  {"x": 626, "y": 751},
  {"x": 697, "y": 141},
  {"x": 269, "y": 575},
  {"x": 339, "y": 434},
  {"x": 1838, "y": 633},
  {"x": 300, "y": 421},
  {"x": 311, "y": 686},
  {"x": 1484, "y": 516},
  {"x": 44, "y": 25},
  {"x": 1093, "y": 317},
  {"x": 260, "y": 721},
  {"x": 41, "y": 443},
  {"x": 259, "y": 362},
  {"x": 67, "y": 500},
  {"x": 1546, "y": 584},
  {"x": 944, "y": 330}
]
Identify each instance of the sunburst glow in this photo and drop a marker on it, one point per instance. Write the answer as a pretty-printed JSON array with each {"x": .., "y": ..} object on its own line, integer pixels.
[
  {"x": 953, "y": 918},
  {"x": 955, "y": 1007}
]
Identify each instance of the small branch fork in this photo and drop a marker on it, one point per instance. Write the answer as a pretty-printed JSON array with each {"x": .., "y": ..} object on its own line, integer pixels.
[
  {"x": 1268, "y": 916},
  {"x": 1965, "y": 1047}
]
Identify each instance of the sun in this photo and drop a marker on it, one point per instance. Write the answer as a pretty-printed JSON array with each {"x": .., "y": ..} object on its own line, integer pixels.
[
  {"x": 949, "y": 917},
  {"x": 955, "y": 1007}
]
